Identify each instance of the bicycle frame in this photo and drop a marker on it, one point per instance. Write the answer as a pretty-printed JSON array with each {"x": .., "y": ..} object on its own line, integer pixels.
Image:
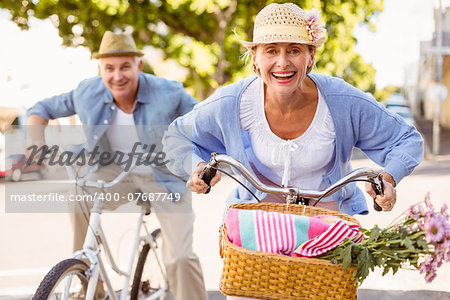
[
  {"x": 92, "y": 247},
  {"x": 91, "y": 250}
]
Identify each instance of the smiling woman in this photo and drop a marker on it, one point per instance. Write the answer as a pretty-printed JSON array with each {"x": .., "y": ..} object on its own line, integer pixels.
[
  {"x": 290, "y": 96},
  {"x": 290, "y": 126}
]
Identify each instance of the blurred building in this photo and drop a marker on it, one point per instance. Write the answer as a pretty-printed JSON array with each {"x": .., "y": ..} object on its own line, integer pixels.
[{"x": 434, "y": 69}]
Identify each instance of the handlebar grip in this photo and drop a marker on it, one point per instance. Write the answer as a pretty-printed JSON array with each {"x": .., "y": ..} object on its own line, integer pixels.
[
  {"x": 207, "y": 175},
  {"x": 378, "y": 187},
  {"x": 376, "y": 206}
]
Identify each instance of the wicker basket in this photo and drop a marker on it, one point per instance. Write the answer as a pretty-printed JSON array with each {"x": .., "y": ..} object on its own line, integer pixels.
[{"x": 248, "y": 273}]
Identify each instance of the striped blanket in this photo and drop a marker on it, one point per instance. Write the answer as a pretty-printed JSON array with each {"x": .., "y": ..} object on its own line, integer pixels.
[{"x": 288, "y": 234}]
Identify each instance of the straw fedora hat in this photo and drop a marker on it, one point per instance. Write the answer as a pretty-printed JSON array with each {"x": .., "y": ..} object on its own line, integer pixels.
[
  {"x": 117, "y": 45},
  {"x": 287, "y": 23}
]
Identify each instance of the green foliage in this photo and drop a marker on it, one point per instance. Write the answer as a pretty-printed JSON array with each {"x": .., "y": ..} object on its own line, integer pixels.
[
  {"x": 388, "y": 248},
  {"x": 146, "y": 68},
  {"x": 382, "y": 94},
  {"x": 198, "y": 34}
]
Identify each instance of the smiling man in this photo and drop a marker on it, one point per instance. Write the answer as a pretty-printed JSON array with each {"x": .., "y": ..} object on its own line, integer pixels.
[{"x": 121, "y": 109}]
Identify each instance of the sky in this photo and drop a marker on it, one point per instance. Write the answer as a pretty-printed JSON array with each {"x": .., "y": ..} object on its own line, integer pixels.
[
  {"x": 34, "y": 65},
  {"x": 395, "y": 47}
]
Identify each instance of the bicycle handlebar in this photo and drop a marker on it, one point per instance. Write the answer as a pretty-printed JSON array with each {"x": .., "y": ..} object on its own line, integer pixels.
[
  {"x": 207, "y": 175},
  {"x": 293, "y": 194}
]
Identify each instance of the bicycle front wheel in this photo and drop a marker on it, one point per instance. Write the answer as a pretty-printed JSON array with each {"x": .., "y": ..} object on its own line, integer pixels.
[
  {"x": 66, "y": 280},
  {"x": 150, "y": 281}
]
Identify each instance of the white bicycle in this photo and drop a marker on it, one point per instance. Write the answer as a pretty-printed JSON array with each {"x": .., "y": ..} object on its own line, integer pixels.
[{"x": 74, "y": 279}]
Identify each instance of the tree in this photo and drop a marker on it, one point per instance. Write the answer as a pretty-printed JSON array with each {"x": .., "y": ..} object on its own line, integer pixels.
[
  {"x": 199, "y": 34},
  {"x": 383, "y": 94}
]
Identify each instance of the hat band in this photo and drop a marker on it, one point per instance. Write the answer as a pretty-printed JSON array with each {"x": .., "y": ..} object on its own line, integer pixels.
[
  {"x": 260, "y": 32},
  {"x": 120, "y": 51}
]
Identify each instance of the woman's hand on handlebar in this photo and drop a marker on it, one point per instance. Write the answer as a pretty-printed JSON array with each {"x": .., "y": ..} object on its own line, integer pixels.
[
  {"x": 196, "y": 184},
  {"x": 389, "y": 198}
]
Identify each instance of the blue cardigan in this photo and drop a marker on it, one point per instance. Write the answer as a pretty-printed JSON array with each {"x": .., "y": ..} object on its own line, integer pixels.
[{"x": 214, "y": 126}]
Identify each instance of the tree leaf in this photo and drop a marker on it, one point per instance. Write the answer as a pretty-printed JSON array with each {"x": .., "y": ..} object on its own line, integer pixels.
[
  {"x": 374, "y": 233},
  {"x": 394, "y": 269},
  {"x": 346, "y": 256},
  {"x": 379, "y": 261},
  {"x": 365, "y": 262},
  {"x": 403, "y": 233},
  {"x": 408, "y": 244},
  {"x": 422, "y": 243},
  {"x": 385, "y": 270}
]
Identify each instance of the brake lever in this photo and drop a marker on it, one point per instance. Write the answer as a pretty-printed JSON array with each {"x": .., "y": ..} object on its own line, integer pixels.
[
  {"x": 378, "y": 187},
  {"x": 209, "y": 172}
]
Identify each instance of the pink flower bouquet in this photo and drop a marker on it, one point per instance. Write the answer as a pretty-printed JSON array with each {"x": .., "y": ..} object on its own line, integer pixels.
[{"x": 419, "y": 238}]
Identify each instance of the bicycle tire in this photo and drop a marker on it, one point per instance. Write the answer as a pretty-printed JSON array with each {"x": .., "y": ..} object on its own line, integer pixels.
[
  {"x": 64, "y": 269},
  {"x": 147, "y": 277}
]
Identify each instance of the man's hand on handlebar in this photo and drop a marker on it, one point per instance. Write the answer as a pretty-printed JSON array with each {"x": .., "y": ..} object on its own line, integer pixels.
[
  {"x": 388, "y": 199},
  {"x": 196, "y": 184}
]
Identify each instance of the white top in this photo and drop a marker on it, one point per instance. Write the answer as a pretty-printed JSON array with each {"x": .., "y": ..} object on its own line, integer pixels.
[
  {"x": 122, "y": 136},
  {"x": 300, "y": 162}
]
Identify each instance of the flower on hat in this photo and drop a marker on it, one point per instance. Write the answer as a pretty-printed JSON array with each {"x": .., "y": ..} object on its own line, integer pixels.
[{"x": 315, "y": 28}]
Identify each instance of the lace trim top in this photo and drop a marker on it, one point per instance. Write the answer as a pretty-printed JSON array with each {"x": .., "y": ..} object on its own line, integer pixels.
[{"x": 300, "y": 162}]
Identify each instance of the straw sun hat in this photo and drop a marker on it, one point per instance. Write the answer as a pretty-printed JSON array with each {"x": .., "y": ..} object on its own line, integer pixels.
[
  {"x": 287, "y": 23},
  {"x": 117, "y": 45}
]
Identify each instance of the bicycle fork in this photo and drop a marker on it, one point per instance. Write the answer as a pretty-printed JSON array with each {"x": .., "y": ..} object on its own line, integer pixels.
[
  {"x": 91, "y": 251},
  {"x": 135, "y": 251}
]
